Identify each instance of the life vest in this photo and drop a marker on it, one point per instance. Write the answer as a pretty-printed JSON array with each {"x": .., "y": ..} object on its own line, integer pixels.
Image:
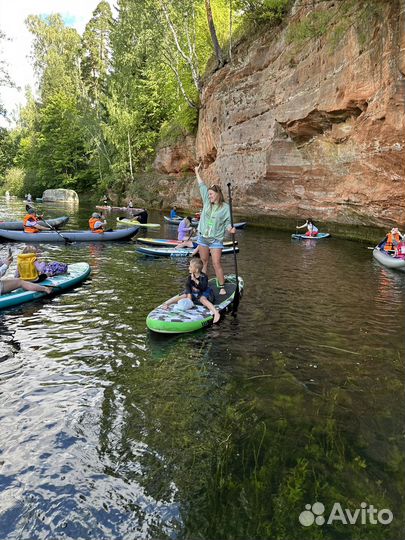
[
  {"x": 92, "y": 222},
  {"x": 28, "y": 229},
  {"x": 389, "y": 244},
  {"x": 26, "y": 267}
]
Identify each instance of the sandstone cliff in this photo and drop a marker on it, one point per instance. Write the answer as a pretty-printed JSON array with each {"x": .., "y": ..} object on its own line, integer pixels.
[{"x": 311, "y": 127}]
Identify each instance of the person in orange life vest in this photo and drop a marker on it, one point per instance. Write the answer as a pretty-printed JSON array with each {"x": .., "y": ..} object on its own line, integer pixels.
[
  {"x": 31, "y": 224},
  {"x": 392, "y": 239},
  {"x": 310, "y": 225},
  {"x": 97, "y": 223}
]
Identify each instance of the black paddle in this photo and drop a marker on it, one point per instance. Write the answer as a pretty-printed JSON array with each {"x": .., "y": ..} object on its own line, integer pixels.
[
  {"x": 66, "y": 240},
  {"x": 236, "y": 297}
]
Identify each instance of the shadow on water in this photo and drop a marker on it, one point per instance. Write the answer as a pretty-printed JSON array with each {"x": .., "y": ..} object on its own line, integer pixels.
[{"x": 110, "y": 431}]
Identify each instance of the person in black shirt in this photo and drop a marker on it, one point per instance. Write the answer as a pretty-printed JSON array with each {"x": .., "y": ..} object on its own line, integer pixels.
[
  {"x": 197, "y": 289},
  {"x": 142, "y": 217}
]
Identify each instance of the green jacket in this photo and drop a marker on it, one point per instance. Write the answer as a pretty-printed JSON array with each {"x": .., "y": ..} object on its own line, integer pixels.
[{"x": 214, "y": 220}]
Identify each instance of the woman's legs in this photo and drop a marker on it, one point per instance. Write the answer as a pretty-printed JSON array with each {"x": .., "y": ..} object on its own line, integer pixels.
[
  {"x": 12, "y": 284},
  {"x": 204, "y": 253},
  {"x": 216, "y": 262}
]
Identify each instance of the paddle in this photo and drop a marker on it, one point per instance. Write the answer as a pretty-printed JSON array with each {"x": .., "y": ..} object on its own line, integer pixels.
[
  {"x": 66, "y": 240},
  {"x": 236, "y": 298}
]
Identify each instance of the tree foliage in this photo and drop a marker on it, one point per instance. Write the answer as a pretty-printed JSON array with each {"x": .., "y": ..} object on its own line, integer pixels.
[{"x": 108, "y": 98}]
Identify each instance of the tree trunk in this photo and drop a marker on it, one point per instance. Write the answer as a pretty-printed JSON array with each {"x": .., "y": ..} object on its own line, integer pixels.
[{"x": 217, "y": 48}]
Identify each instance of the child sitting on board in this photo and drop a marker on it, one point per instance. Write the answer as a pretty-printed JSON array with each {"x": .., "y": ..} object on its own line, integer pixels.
[
  {"x": 197, "y": 290},
  {"x": 30, "y": 268}
]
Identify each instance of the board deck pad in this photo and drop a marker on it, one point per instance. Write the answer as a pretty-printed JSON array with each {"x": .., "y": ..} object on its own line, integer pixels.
[{"x": 176, "y": 320}]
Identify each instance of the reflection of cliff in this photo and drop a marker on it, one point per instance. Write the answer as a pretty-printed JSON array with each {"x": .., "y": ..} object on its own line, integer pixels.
[{"x": 312, "y": 127}]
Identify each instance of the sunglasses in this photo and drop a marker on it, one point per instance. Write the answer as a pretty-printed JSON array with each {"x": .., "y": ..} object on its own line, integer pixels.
[{"x": 215, "y": 188}]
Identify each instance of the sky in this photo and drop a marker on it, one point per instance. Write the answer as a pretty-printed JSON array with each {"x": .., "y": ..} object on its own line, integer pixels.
[{"x": 75, "y": 13}]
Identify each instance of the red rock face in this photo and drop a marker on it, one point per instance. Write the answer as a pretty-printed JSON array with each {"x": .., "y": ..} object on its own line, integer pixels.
[{"x": 312, "y": 130}]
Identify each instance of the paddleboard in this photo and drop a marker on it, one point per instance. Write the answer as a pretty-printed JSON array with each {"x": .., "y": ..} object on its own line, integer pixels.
[
  {"x": 152, "y": 251},
  {"x": 131, "y": 222},
  {"x": 163, "y": 242},
  {"x": 176, "y": 321},
  {"x": 77, "y": 273},
  {"x": 319, "y": 236}
]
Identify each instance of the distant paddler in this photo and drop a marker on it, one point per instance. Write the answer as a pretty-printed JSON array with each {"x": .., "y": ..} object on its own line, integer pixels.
[
  {"x": 215, "y": 221},
  {"x": 310, "y": 225}
]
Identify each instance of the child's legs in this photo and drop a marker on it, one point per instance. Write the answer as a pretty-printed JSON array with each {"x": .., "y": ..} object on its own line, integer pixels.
[{"x": 209, "y": 305}]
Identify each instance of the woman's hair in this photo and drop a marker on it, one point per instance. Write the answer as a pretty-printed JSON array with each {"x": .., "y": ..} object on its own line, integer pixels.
[
  {"x": 217, "y": 189},
  {"x": 189, "y": 218},
  {"x": 311, "y": 221},
  {"x": 197, "y": 262}
]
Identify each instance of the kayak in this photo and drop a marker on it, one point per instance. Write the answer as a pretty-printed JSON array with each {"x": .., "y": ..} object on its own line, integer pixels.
[
  {"x": 319, "y": 236},
  {"x": 177, "y": 321},
  {"x": 119, "y": 209},
  {"x": 194, "y": 223},
  {"x": 176, "y": 221},
  {"x": 77, "y": 273},
  {"x": 163, "y": 242},
  {"x": 388, "y": 260},
  {"x": 153, "y": 251},
  {"x": 74, "y": 236},
  {"x": 126, "y": 221},
  {"x": 18, "y": 225}
]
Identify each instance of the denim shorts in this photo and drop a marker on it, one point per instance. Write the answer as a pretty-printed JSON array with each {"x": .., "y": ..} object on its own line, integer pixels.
[{"x": 211, "y": 243}]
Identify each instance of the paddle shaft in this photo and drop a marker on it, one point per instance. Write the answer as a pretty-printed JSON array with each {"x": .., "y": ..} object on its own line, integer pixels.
[{"x": 237, "y": 294}]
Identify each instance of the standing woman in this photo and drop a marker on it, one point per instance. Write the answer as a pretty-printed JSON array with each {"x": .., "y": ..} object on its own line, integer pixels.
[{"x": 215, "y": 220}]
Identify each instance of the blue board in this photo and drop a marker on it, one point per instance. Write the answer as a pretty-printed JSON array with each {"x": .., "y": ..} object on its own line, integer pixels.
[{"x": 319, "y": 236}]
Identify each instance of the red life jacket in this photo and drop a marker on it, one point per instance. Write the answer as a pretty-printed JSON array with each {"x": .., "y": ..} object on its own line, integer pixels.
[
  {"x": 92, "y": 222},
  {"x": 389, "y": 245},
  {"x": 28, "y": 229}
]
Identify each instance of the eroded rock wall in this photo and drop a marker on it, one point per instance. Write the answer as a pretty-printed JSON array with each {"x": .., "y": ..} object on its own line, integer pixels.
[{"x": 313, "y": 130}]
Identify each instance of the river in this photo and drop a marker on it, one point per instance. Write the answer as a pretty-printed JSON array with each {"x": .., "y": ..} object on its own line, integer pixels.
[{"x": 110, "y": 432}]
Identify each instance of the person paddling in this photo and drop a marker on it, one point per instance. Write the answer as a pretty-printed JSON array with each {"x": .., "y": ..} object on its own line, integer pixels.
[
  {"x": 392, "y": 239},
  {"x": 215, "y": 221},
  {"x": 310, "y": 225},
  {"x": 97, "y": 223},
  {"x": 31, "y": 224}
]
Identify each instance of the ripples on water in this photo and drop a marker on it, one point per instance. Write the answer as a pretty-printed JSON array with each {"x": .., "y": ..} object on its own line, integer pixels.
[{"x": 108, "y": 431}]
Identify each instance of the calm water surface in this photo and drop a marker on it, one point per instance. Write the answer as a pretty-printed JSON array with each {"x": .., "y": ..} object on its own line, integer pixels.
[{"x": 110, "y": 432}]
